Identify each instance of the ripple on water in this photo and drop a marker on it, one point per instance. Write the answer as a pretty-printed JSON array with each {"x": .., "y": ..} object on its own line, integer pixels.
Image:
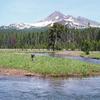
[{"x": 23, "y": 88}]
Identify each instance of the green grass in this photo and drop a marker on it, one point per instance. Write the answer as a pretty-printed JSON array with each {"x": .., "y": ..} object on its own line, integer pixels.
[
  {"x": 46, "y": 65},
  {"x": 95, "y": 55}
]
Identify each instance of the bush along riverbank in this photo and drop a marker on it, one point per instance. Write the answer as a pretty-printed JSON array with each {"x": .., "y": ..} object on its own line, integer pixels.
[
  {"x": 46, "y": 66},
  {"x": 94, "y": 55}
]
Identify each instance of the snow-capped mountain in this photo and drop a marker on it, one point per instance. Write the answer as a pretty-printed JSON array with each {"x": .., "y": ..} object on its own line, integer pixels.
[
  {"x": 79, "y": 22},
  {"x": 57, "y": 17}
]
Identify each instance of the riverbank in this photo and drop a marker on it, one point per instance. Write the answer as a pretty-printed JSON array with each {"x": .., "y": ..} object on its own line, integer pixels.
[
  {"x": 69, "y": 53},
  {"x": 15, "y": 63},
  {"x": 20, "y": 73},
  {"x": 17, "y": 72},
  {"x": 12, "y": 72},
  {"x": 93, "y": 54}
]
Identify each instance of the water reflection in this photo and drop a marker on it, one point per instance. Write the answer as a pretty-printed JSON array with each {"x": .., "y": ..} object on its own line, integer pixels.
[{"x": 14, "y": 88}]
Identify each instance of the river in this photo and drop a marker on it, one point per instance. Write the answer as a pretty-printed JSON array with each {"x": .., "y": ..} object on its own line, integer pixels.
[
  {"x": 84, "y": 59},
  {"x": 34, "y": 88}
]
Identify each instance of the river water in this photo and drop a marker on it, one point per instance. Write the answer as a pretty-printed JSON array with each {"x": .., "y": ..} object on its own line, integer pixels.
[
  {"x": 34, "y": 88},
  {"x": 84, "y": 59}
]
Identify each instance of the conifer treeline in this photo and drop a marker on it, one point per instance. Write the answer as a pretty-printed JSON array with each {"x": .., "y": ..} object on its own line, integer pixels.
[{"x": 69, "y": 39}]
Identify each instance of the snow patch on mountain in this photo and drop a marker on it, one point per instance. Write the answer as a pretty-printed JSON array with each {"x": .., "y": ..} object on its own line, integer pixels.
[
  {"x": 57, "y": 17},
  {"x": 42, "y": 24},
  {"x": 20, "y": 25}
]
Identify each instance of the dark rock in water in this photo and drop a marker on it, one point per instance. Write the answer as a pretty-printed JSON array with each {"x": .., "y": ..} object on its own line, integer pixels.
[{"x": 29, "y": 75}]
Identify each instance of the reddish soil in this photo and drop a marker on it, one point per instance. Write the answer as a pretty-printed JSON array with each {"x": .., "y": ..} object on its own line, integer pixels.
[{"x": 14, "y": 72}]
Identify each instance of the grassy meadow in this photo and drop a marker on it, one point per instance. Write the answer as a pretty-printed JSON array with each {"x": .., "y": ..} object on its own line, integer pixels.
[{"x": 46, "y": 65}]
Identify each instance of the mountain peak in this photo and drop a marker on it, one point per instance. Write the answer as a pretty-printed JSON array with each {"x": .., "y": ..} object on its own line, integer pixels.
[
  {"x": 55, "y": 16},
  {"x": 57, "y": 12}
]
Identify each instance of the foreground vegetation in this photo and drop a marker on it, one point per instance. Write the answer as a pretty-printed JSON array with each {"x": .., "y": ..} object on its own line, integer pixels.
[{"x": 47, "y": 66}]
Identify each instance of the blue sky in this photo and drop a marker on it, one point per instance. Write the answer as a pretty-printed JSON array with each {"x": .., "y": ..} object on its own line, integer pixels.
[{"x": 29, "y": 11}]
